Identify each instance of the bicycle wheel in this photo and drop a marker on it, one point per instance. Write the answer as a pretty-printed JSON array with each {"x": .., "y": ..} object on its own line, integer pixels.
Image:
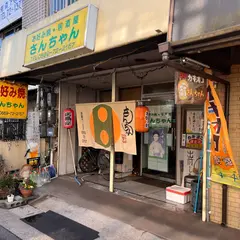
[{"x": 86, "y": 164}]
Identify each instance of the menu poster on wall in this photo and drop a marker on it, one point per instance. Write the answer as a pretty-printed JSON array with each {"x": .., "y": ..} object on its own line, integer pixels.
[
  {"x": 33, "y": 136},
  {"x": 158, "y": 149},
  {"x": 194, "y": 123},
  {"x": 189, "y": 89}
]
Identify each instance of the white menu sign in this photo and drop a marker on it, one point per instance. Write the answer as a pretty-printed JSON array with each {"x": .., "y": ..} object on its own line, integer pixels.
[{"x": 33, "y": 135}]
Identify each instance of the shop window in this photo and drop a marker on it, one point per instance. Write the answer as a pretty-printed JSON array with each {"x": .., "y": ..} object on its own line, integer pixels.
[
  {"x": 11, "y": 29},
  {"x": 12, "y": 129},
  {"x": 57, "y": 5}
]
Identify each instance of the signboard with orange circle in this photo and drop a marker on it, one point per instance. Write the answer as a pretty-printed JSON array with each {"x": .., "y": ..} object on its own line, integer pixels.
[{"x": 103, "y": 125}]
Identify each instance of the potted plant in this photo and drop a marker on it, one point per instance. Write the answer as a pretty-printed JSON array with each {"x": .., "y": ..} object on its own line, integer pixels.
[
  {"x": 7, "y": 184},
  {"x": 26, "y": 187}
]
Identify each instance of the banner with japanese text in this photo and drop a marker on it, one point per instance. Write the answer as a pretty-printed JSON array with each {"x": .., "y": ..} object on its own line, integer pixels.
[
  {"x": 160, "y": 115},
  {"x": 10, "y": 11},
  {"x": 13, "y": 100},
  {"x": 224, "y": 168},
  {"x": 189, "y": 89},
  {"x": 99, "y": 124},
  {"x": 64, "y": 35}
]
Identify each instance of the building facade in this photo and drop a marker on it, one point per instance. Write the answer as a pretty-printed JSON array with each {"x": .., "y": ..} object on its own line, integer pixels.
[{"x": 129, "y": 39}]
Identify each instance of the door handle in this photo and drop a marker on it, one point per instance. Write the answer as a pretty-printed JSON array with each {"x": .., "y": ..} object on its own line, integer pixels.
[{"x": 173, "y": 139}]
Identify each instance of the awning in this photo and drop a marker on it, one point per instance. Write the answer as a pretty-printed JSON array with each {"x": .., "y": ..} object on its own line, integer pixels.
[{"x": 227, "y": 37}]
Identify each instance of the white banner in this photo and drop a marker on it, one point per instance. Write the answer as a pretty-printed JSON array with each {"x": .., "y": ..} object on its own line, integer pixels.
[
  {"x": 10, "y": 11},
  {"x": 99, "y": 123}
]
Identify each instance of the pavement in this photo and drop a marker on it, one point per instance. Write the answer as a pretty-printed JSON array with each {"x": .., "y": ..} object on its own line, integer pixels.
[
  {"x": 5, "y": 234},
  {"x": 113, "y": 215}
]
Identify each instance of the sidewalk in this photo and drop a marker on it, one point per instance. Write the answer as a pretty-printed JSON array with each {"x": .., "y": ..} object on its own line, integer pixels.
[{"x": 146, "y": 217}]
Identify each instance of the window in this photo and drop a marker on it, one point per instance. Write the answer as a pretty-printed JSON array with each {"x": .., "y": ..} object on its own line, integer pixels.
[
  {"x": 12, "y": 129},
  {"x": 57, "y": 5}
]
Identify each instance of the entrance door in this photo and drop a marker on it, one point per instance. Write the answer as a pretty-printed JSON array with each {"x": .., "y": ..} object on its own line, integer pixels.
[{"x": 159, "y": 144}]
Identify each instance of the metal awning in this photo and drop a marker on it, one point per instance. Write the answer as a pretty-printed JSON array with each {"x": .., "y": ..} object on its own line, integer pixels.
[{"x": 227, "y": 37}]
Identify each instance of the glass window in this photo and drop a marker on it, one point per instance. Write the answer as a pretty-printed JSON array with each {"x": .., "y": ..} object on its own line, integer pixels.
[{"x": 57, "y": 5}]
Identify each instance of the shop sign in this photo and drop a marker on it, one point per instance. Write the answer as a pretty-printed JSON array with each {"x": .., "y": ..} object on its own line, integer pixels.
[
  {"x": 99, "y": 124},
  {"x": 189, "y": 89},
  {"x": 160, "y": 116},
  {"x": 224, "y": 168},
  {"x": 65, "y": 35},
  {"x": 13, "y": 100},
  {"x": 10, "y": 11},
  {"x": 194, "y": 141}
]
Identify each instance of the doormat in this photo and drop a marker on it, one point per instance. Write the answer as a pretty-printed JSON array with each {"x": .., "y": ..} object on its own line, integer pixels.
[
  {"x": 153, "y": 182},
  {"x": 59, "y": 227}
]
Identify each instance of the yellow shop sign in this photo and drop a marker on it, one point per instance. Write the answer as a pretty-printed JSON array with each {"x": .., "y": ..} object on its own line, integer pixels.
[
  {"x": 13, "y": 100},
  {"x": 65, "y": 35}
]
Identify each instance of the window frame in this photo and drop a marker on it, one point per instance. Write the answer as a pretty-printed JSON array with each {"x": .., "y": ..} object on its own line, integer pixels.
[{"x": 58, "y": 6}]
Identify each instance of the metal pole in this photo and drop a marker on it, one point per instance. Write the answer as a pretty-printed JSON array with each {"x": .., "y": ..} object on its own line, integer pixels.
[
  {"x": 204, "y": 197},
  {"x": 112, "y": 151},
  {"x": 208, "y": 170},
  {"x": 224, "y": 186}
]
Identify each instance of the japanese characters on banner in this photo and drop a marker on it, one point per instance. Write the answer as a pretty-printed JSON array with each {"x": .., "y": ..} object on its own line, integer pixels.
[
  {"x": 189, "y": 89},
  {"x": 33, "y": 135},
  {"x": 224, "y": 168},
  {"x": 160, "y": 116},
  {"x": 13, "y": 100},
  {"x": 99, "y": 124},
  {"x": 10, "y": 11}
]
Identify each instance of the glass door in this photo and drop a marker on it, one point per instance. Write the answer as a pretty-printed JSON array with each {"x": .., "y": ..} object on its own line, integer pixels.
[{"x": 159, "y": 144}]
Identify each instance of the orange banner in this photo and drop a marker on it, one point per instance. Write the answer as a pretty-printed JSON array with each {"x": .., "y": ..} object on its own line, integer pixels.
[{"x": 224, "y": 168}]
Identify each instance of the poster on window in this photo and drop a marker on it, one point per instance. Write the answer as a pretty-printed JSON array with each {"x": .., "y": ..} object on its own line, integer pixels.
[
  {"x": 189, "y": 89},
  {"x": 158, "y": 149},
  {"x": 99, "y": 124},
  {"x": 194, "y": 122},
  {"x": 160, "y": 116},
  {"x": 224, "y": 168}
]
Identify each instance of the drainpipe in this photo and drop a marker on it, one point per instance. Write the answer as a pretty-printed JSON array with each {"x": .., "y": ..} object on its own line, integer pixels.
[
  {"x": 170, "y": 21},
  {"x": 224, "y": 186},
  {"x": 112, "y": 150}
]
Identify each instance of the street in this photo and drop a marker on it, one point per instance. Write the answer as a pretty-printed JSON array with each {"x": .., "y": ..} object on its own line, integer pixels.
[{"x": 113, "y": 216}]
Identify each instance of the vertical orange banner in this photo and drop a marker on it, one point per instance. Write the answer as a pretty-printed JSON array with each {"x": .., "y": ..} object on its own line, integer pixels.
[{"x": 224, "y": 168}]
